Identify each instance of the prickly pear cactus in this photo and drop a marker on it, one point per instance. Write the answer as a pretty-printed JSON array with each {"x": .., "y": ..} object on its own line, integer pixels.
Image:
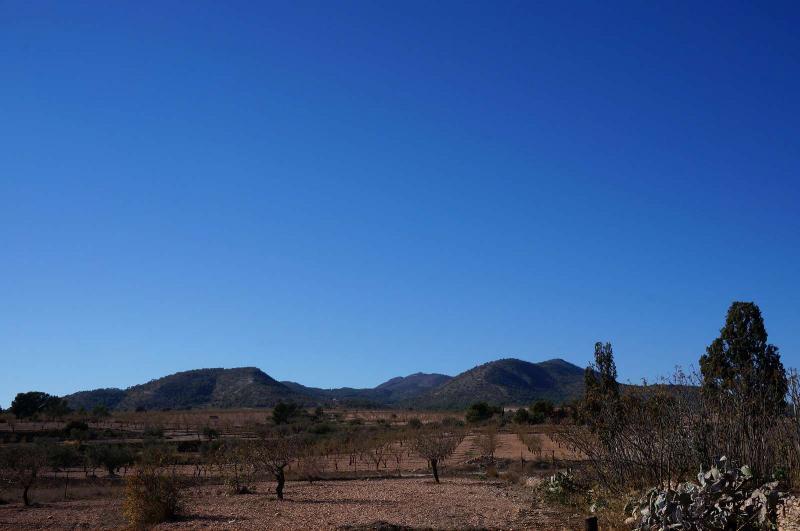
[{"x": 724, "y": 497}]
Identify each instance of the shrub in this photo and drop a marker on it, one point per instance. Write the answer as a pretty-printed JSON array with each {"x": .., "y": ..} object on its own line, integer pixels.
[
  {"x": 521, "y": 416},
  {"x": 513, "y": 476},
  {"x": 77, "y": 430},
  {"x": 561, "y": 485},
  {"x": 452, "y": 422},
  {"x": 154, "y": 432},
  {"x": 151, "y": 497},
  {"x": 151, "y": 494},
  {"x": 725, "y": 497},
  {"x": 110, "y": 457},
  {"x": 284, "y": 413},
  {"x": 76, "y": 425},
  {"x": 541, "y": 410},
  {"x": 100, "y": 411},
  {"x": 322, "y": 428},
  {"x": 210, "y": 433},
  {"x": 481, "y": 411},
  {"x": 415, "y": 423}
]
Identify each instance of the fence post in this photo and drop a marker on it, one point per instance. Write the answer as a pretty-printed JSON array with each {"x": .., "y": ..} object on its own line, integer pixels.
[{"x": 591, "y": 524}]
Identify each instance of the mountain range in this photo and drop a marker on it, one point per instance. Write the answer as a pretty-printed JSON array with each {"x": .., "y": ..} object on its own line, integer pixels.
[{"x": 502, "y": 382}]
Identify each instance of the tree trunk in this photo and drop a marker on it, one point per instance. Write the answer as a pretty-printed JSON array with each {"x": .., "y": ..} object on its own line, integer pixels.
[
  {"x": 25, "y": 499},
  {"x": 434, "y": 462},
  {"x": 281, "y": 481}
]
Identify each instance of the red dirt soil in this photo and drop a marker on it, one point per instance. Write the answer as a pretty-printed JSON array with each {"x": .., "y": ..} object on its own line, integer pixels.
[{"x": 456, "y": 503}]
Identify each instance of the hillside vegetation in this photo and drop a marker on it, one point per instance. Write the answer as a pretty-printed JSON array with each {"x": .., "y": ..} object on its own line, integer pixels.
[
  {"x": 507, "y": 381},
  {"x": 201, "y": 388}
]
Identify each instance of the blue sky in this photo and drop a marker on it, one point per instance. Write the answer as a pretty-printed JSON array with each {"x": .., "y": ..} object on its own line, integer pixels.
[{"x": 342, "y": 192}]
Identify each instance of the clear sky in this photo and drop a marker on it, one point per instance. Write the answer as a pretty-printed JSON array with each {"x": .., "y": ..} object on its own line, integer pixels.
[{"x": 342, "y": 192}]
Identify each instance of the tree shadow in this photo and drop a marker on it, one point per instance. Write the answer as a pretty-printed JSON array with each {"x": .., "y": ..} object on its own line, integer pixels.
[{"x": 381, "y": 503}]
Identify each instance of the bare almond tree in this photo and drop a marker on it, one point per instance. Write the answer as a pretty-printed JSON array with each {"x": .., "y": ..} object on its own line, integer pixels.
[
  {"x": 237, "y": 463},
  {"x": 435, "y": 444},
  {"x": 273, "y": 453},
  {"x": 487, "y": 442},
  {"x": 531, "y": 441},
  {"x": 311, "y": 464},
  {"x": 376, "y": 451},
  {"x": 398, "y": 449}
]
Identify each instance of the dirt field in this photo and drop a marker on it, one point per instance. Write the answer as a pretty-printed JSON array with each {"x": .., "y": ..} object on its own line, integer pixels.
[{"x": 415, "y": 503}]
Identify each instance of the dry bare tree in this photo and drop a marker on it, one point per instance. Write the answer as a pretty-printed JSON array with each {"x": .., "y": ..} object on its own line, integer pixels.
[
  {"x": 435, "y": 443},
  {"x": 376, "y": 450},
  {"x": 311, "y": 464},
  {"x": 355, "y": 447},
  {"x": 531, "y": 441},
  {"x": 487, "y": 442},
  {"x": 237, "y": 465},
  {"x": 398, "y": 449},
  {"x": 791, "y": 427},
  {"x": 273, "y": 452},
  {"x": 652, "y": 441}
]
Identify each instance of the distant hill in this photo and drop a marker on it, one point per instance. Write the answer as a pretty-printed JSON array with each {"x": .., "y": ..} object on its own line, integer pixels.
[
  {"x": 110, "y": 398},
  {"x": 201, "y": 388},
  {"x": 388, "y": 393},
  {"x": 508, "y": 382},
  {"x": 347, "y": 395},
  {"x": 411, "y": 386},
  {"x": 505, "y": 381}
]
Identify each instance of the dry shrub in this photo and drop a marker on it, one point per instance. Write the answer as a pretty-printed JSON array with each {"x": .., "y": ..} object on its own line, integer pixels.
[
  {"x": 311, "y": 462},
  {"x": 661, "y": 435},
  {"x": 789, "y": 432},
  {"x": 237, "y": 464},
  {"x": 513, "y": 475},
  {"x": 152, "y": 495},
  {"x": 645, "y": 438}
]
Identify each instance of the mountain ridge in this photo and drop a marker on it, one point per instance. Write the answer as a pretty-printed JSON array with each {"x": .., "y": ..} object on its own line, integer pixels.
[{"x": 506, "y": 381}]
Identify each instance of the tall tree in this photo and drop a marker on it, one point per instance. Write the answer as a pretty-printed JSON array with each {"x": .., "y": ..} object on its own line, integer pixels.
[
  {"x": 744, "y": 392},
  {"x": 26, "y": 405},
  {"x": 600, "y": 378},
  {"x": 741, "y": 363},
  {"x": 601, "y": 404}
]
